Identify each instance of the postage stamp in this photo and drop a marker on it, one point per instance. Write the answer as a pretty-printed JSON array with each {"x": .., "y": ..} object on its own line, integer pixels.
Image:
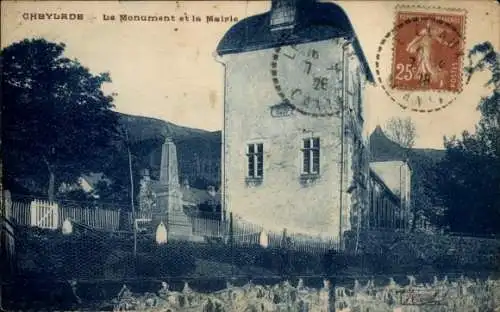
[
  {"x": 420, "y": 62},
  {"x": 428, "y": 51}
]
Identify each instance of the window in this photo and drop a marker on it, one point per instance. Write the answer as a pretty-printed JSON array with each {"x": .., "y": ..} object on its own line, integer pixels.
[
  {"x": 255, "y": 160},
  {"x": 310, "y": 156}
]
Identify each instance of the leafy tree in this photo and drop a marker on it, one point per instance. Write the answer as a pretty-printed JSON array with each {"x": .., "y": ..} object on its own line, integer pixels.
[
  {"x": 469, "y": 175},
  {"x": 56, "y": 120}
]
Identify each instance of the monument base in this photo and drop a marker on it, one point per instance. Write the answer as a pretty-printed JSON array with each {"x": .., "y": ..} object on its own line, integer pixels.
[{"x": 178, "y": 225}]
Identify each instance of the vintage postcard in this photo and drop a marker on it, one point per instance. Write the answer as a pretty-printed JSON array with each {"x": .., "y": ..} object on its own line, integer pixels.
[{"x": 282, "y": 155}]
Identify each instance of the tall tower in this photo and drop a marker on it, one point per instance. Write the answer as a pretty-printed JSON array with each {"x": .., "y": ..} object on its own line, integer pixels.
[{"x": 293, "y": 119}]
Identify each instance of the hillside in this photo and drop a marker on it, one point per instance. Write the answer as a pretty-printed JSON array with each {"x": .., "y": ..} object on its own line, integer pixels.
[
  {"x": 198, "y": 151},
  {"x": 145, "y": 128},
  {"x": 198, "y": 155}
]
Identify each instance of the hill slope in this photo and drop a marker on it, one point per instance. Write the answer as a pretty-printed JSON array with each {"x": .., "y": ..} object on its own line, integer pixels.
[{"x": 198, "y": 151}]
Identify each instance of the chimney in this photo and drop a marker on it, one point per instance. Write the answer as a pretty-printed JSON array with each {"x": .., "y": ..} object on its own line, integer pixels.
[{"x": 283, "y": 14}]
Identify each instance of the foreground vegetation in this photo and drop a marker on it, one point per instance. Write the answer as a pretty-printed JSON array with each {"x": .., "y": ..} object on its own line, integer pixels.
[{"x": 440, "y": 296}]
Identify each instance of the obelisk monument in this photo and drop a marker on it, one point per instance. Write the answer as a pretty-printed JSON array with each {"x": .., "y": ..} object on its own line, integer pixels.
[{"x": 169, "y": 195}]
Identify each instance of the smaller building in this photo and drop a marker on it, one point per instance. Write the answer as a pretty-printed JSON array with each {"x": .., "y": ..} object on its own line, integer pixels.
[
  {"x": 88, "y": 183},
  {"x": 389, "y": 195}
]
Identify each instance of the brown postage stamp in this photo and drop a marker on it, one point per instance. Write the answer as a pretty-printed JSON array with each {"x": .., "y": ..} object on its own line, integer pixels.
[
  {"x": 428, "y": 51},
  {"x": 420, "y": 61}
]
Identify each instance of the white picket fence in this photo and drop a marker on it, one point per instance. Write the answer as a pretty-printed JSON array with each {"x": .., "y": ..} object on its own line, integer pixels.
[
  {"x": 50, "y": 215},
  {"x": 44, "y": 214}
]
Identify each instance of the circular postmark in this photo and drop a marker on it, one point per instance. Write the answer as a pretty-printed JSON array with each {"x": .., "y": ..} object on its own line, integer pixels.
[
  {"x": 307, "y": 76},
  {"x": 419, "y": 63}
]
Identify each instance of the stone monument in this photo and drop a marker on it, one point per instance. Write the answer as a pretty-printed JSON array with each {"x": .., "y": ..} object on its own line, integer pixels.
[{"x": 169, "y": 208}]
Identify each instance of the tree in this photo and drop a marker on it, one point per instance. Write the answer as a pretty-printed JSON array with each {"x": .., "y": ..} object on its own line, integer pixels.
[
  {"x": 401, "y": 131},
  {"x": 56, "y": 120},
  {"x": 469, "y": 175}
]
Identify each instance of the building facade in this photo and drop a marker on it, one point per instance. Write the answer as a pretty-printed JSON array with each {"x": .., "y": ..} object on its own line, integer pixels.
[
  {"x": 385, "y": 208},
  {"x": 289, "y": 162}
]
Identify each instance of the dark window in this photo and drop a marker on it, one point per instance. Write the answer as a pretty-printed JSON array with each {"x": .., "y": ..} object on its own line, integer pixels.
[
  {"x": 255, "y": 160},
  {"x": 310, "y": 156}
]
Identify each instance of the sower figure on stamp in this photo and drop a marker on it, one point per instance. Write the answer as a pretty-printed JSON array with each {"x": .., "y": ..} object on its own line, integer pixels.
[{"x": 421, "y": 46}]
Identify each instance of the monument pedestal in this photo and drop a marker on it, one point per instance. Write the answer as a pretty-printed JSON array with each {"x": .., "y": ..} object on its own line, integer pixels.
[{"x": 169, "y": 211}]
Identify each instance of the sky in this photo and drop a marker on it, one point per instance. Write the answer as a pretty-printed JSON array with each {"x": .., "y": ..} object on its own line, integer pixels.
[{"x": 167, "y": 70}]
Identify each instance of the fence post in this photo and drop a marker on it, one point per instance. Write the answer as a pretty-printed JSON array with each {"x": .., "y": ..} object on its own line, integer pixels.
[
  {"x": 55, "y": 224},
  {"x": 285, "y": 254},
  {"x": 331, "y": 294},
  {"x": 231, "y": 242},
  {"x": 33, "y": 213}
]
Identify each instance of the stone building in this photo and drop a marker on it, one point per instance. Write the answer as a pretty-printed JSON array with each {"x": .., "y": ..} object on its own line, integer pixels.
[
  {"x": 295, "y": 152},
  {"x": 294, "y": 149}
]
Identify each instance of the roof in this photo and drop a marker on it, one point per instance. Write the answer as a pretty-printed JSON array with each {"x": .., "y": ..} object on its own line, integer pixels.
[
  {"x": 197, "y": 196},
  {"x": 389, "y": 192},
  {"x": 389, "y": 172},
  {"x": 94, "y": 178},
  {"x": 191, "y": 195},
  {"x": 384, "y": 149},
  {"x": 315, "y": 22}
]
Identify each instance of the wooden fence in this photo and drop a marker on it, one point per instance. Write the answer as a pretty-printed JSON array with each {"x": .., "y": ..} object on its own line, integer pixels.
[
  {"x": 97, "y": 218},
  {"x": 44, "y": 214},
  {"x": 246, "y": 233},
  {"x": 50, "y": 215},
  {"x": 207, "y": 227}
]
